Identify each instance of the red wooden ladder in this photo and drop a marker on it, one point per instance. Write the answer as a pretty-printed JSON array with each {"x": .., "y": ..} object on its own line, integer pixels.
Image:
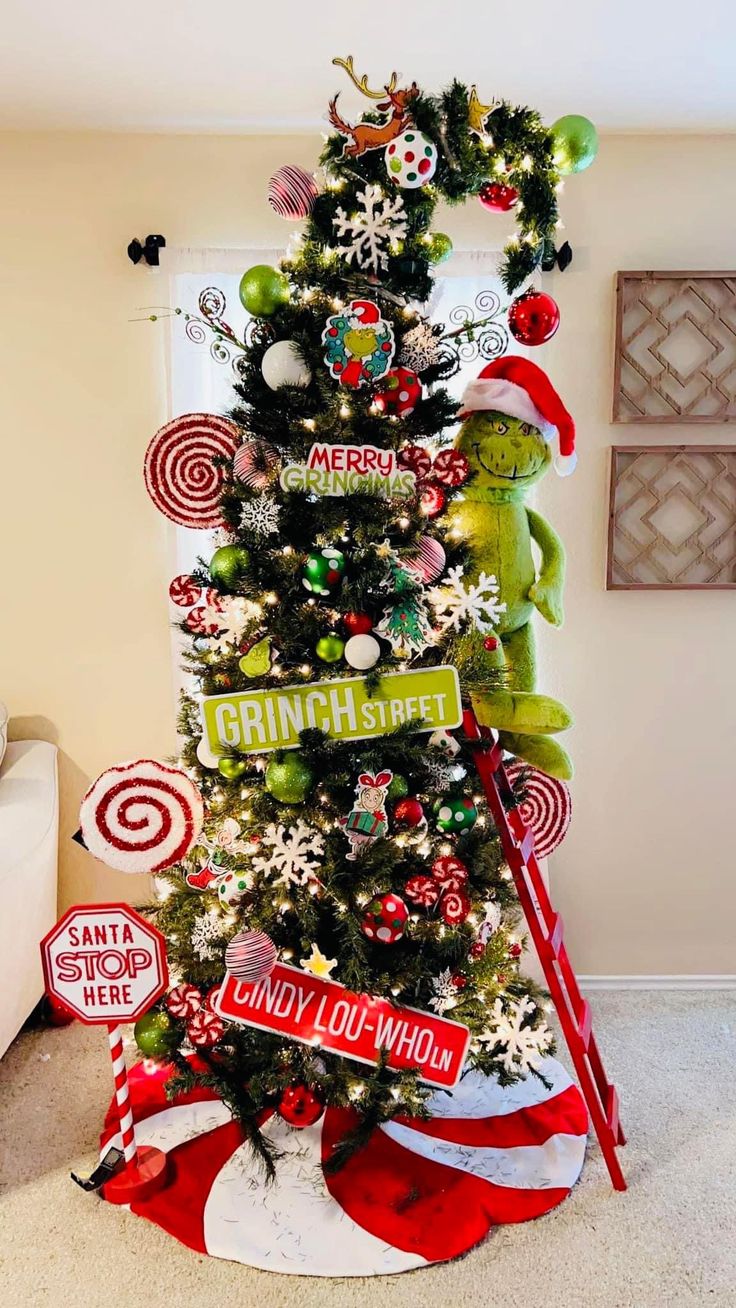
[{"x": 546, "y": 930}]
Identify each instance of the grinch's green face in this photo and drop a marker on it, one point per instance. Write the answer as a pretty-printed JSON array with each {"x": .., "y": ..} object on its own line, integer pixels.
[{"x": 503, "y": 452}]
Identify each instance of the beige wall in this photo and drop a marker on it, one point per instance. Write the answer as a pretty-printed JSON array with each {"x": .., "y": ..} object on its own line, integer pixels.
[{"x": 645, "y": 879}]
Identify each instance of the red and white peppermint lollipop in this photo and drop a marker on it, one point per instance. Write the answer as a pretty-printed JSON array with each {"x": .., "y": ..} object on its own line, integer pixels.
[
  {"x": 206, "y": 1029},
  {"x": 185, "y": 592},
  {"x": 449, "y": 873},
  {"x": 141, "y": 817},
  {"x": 254, "y": 463},
  {"x": 416, "y": 459},
  {"x": 547, "y": 807},
  {"x": 454, "y": 907},
  {"x": 422, "y": 890},
  {"x": 451, "y": 468},
  {"x": 184, "y": 1001},
  {"x": 205, "y": 620},
  {"x": 182, "y": 477}
]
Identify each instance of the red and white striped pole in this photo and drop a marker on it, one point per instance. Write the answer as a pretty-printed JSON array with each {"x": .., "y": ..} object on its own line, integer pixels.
[{"x": 122, "y": 1094}]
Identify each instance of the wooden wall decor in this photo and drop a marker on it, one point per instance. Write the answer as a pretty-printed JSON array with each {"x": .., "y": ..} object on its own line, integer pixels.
[
  {"x": 675, "y": 347},
  {"x": 672, "y": 518}
]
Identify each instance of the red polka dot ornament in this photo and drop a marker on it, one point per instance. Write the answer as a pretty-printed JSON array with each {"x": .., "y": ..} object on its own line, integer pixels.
[
  {"x": 385, "y": 919},
  {"x": 399, "y": 392}
]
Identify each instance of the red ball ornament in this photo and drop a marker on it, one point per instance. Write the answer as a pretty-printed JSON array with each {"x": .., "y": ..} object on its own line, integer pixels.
[
  {"x": 300, "y": 1106},
  {"x": 459, "y": 981},
  {"x": 450, "y": 873},
  {"x": 454, "y": 907},
  {"x": 477, "y": 949},
  {"x": 357, "y": 624},
  {"x": 400, "y": 390},
  {"x": 422, "y": 890},
  {"x": 533, "y": 318},
  {"x": 490, "y": 643},
  {"x": 432, "y": 501},
  {"x": 515, "y": 951},
  {"x": 385, "y": 919},
  {"x": 184, "y": 1001},
  {"x": 498, "y": 198},
  {"x": 409, "y": 812},
  {"x": 206, "y": 1029}
]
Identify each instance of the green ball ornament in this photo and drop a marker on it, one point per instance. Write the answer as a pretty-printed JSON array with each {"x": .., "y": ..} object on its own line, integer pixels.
[
  {"x": 399, "y": 787},
  {"x": 323, "y": 571},
  {"x": 330, "y": 648},
  {"x": 229, "y": 564},
  {"x": 439, "y": 247},
  {"x": 156, "y": 1035},
  {"x": 458, "y": 814},
  {"x": 232, "y": 769},
  {"x": 575, "y": 143},
  {"x": 291, "y": 780},
  {"x": 263, "y": 290}
]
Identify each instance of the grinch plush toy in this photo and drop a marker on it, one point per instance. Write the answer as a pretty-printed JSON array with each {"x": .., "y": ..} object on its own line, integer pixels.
[{"x": 510, "y": 416}]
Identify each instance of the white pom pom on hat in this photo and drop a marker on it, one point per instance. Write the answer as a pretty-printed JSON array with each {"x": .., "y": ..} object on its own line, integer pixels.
[{"x": 516, "y": 386}]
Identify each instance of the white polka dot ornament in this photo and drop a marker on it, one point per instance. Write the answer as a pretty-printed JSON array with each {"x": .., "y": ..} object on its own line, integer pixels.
[
  {"x": 385, "y": 919},
  {"x": 141, "y": 817},
  {"x": 232, "y": 888},
  {"x": 411, "y": 159}
]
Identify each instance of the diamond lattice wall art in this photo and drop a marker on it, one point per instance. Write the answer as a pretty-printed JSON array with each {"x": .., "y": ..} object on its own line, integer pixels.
[
  {"x": 672, "y": 522},
  {"x": 675, "y": 347}
]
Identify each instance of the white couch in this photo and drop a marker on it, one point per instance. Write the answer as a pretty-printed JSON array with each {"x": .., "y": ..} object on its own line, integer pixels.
[{"x": 29, "y": 838}]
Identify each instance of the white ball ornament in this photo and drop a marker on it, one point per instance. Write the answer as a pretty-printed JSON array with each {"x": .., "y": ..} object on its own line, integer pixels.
[
  {"x": 362, "y": 652},
  {"x": 411, "y": 159},
  {"x": 283, "y": 365}
]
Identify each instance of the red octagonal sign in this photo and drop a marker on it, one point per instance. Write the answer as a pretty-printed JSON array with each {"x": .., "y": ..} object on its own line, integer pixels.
[{"x": 105, "y": 962}]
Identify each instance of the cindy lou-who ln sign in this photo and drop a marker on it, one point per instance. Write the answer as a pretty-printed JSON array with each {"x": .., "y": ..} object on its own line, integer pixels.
[{"x": 255, "y": 721}]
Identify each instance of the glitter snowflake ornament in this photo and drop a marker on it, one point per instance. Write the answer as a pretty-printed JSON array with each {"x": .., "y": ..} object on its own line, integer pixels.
[
  {"x": 371, "y": 231},
  {"x": 445, "y": 992},
  {"x": 420, "y": 348},
  {"x": 234, "y": 619},
  {"x": 206, "y": 937},
  {"x": 516, "y": 1047},
  {"x": 261, "y": 515},
  {"x": 457, "y": 604},
  {"x": 295, "y": 854}
]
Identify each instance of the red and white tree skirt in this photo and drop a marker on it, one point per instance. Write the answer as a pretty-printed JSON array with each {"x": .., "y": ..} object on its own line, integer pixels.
[{"x": 419, "y": 1193}]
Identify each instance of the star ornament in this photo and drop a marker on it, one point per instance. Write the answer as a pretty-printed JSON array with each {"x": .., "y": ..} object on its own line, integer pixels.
[
  {"x": 477, "y": 113},
  {"x": 317, "y": 964}
]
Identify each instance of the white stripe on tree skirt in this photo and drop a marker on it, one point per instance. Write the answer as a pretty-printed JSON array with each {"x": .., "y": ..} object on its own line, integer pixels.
[
  {"x": 477, "y": 1095},
  {"x": 556, "y": 1164}
]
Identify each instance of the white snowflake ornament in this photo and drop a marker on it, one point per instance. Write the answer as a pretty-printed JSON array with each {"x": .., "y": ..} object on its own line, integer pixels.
[
  {"x": 236, "y": 614},
  {"x": 371, "y": 231},
  {"x": 206, "y": 937},
  {"x": 521, "y": 1047},
  {"x": 261, "y": 515},
  {"x": 445, "y": 993},
  {"x": 295, "y": 854},
  {"x": 457, "y": 604}
]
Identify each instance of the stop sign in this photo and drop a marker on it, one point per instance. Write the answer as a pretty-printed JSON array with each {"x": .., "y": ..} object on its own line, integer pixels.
[{"x": 105, "y": 962}]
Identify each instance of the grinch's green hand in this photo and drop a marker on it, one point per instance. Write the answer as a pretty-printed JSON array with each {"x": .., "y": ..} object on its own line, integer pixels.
[{"x": 546, "y": 595}]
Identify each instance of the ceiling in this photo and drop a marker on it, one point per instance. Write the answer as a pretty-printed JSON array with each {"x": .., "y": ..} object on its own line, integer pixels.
[{"x": 235, "y": 66}]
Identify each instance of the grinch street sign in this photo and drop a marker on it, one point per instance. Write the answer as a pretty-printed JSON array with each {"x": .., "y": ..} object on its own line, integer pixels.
[
  {"x": 105, "y": 962},
  {"x": 317, "y": 1011},
  {"x": 348, "y": 470},
  {"x": 254, "y": 721}
]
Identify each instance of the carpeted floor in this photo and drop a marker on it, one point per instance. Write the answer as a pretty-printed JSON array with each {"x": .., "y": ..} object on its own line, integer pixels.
[{"x": 669, "y": 1242}]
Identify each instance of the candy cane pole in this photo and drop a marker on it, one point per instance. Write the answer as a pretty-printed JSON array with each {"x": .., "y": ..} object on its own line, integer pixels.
[{"x": 122, "y": 1094}]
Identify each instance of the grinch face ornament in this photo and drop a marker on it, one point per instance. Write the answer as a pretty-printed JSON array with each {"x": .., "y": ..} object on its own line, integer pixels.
[
  {"x": 359, "y": 344},
  {"x": 504, "y": 452}
]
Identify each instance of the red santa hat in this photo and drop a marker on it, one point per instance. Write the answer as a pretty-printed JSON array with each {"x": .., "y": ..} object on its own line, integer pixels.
[{"x": 516, "y": 386}]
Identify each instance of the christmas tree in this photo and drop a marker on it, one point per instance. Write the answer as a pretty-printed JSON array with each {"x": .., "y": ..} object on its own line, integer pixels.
[{"x": 336, "y": 635}]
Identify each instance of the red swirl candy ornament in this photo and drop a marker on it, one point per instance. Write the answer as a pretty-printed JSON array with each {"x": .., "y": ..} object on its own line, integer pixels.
[
  {"x": 141, "y": 817},
  {"x": 185, "y": 592},
  {"x": 454, "y": 907},
  {"x": 185, "y": 468}
]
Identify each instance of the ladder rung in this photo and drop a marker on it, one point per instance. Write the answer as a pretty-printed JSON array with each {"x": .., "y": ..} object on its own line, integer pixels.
[
  {"x": 612, "y": 1109},
  {"x": 526, "y": 845},
  {"x": 554, "y": 939},
  {"x": 585, "y": 1025}
]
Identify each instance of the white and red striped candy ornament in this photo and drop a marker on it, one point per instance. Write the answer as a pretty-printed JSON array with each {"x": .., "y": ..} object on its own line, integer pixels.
[
  {"x": 432, "y": 500},
  {"x": 415, "y": 459},
  {"x": 450, "y": 467},
  {"x": 250, "y": 955},
  {"x": 430, "y": 563},
  {"x": 254, "y": 463},
  {"x": 454, "y": 907},
  {"x": 422, "y": 890},
  {"x": 546, "y": 809},
  {"x": 420, "y": 1192},
  {"x": 185, "y": 592},
  {"x": 204, "y": 620},
  {"x": 292, "y": 192},
  {"x": 141, "y": 817},
  {"x": 184, "y": 1001},
  {"x": 205, "y": 1029},
  {"x": 450, "y": 873},
  {"x": 182, "y": 477}
]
